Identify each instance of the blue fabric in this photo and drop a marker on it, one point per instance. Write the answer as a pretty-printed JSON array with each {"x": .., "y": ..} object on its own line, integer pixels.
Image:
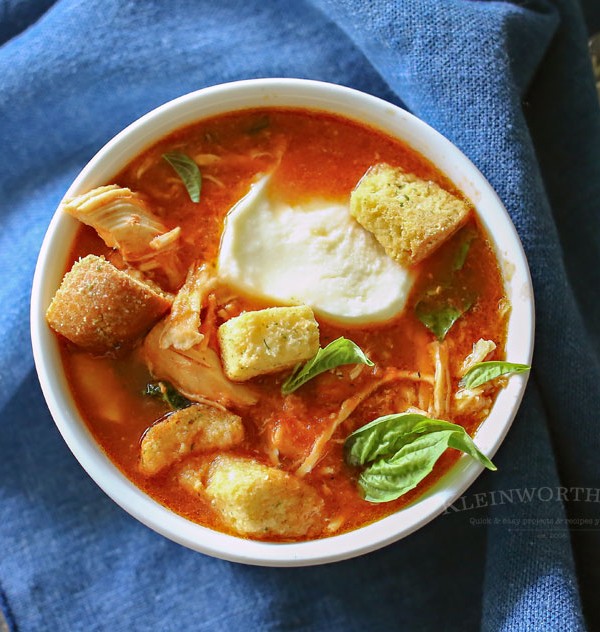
[{"x": 511, "y": 85}]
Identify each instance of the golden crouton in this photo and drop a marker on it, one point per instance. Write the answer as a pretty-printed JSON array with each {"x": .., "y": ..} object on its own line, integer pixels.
[
  {"x": 197, "y": 428},
  {"x": 101, "y": 308},
  {"x": 409, "y": 217},
  {"x": 267, "y": 340},
  {"x": 257, "y": 500}
]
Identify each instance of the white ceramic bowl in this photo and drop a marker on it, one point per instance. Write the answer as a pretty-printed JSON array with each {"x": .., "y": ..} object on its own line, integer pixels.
[{"x": 317, "y": 96}]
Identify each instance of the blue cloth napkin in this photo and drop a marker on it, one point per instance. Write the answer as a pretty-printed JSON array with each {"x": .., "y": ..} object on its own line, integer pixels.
[{"x": 509, "y": 83}]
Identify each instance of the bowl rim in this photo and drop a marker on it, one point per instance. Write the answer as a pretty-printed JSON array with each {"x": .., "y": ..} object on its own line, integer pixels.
[{"x": 368, "y": 110}]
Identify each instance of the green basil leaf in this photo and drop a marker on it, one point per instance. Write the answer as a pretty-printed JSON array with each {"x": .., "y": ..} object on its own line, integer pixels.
[
  {"x": 439, "y": 318},
  {"x": 483, "y": 372},
  {"x": 336, "y": 353},
  {"x": 381, "y": 437},
  {"x": 168, "y": 394},
  {"x": 465, "y": 239},
  {"x": 188, "y": 171},
  {"x": 388, "y": 479},
  {"x": 463, "y": 442},
  {"x": 446, "y": 299},
  {"x": 400, "y": 450}
]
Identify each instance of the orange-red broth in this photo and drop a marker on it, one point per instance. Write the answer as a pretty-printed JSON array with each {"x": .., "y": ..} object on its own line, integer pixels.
[{"x": 315, "y": 154}]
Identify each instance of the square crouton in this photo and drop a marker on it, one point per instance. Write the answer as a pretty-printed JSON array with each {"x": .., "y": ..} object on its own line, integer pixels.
[
  {"x": 267, "y": 340},
  {"x": 410, "y": 217},
  {"x": 101, "y": 308},
  {"x": 257, "y": 500}
]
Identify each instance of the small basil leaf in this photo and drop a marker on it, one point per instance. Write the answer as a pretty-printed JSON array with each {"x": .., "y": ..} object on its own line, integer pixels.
[
  {"x": 188, "y": 171},
  {"x": 439, "y": 318},
  {"x": 446, "y": 299},
  {"x": 336, "y": 353},
  {"x": 483, "y": 372},
  {"x": 168, "y": 394},
  {"x": 466, "y": 237},
  {"x": 400, "y": 450}
]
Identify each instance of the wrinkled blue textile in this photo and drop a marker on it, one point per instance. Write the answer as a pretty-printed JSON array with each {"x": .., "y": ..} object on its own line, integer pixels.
[{"x": 511, "y": 84}]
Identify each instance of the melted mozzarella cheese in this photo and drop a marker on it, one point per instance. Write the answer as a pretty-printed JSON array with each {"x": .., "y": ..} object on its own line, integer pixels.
[{"x": 315, "y": 254}]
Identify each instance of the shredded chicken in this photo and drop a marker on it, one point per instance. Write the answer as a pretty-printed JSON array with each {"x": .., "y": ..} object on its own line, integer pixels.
[
  {"x": 182, "y": 326},
  {"x": 347, "y": 408},
  {"x": 195, "y": 372},
  {"x": 440, "y": 406},
  {"x": 481, "y": 350},
  {"x": 469, "y": 401},
  {"x": 504, "y": 307},
  {"x": 166, "y": 240},
  {"x": 282, "y": 434},
  {"x": 405, "y": 394},
  {"x": 335, "y": 524},
  {"x": 146, "y": 164},
  {"x": 356, "y": 371},
  {"x": 424, "y": 396},
  {"x": 261, "y": 154},
  {"x": 273, "y": 453},
  {"x": 205, "y": 160},
  {"x": 416, "y": 411},
  {"x": 214, "y": 179},
  {"x": 413, "y": 376},
  {"x": 124, "y": 221},
  {"x": 168, "y": 189},
  {"x": 424, "y": 364}
]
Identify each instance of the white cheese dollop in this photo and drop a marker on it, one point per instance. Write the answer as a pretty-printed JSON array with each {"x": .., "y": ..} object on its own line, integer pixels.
[{"x": 315, "y": 254}]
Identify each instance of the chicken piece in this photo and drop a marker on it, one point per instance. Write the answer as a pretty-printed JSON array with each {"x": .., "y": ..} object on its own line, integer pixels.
[
  {"x": 182, "y": 326},
  {"x": 257, "y": 500},
  {"x": 442, "y": 382},
  {"x": 481, "y": 350},
  {"x": 472, "y": 401},
  {"x": 197, "y": 428},
  {"x": 284, "y": 432},
  {"x": 124, "y": 221},
  {"x": 196, "y": 372},
  {"x": 100, "y": 308}
]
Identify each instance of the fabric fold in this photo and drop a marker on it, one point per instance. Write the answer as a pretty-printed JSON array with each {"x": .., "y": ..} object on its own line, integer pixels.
[
  {"x": 19, "y": 15},
  {"x": 527, "y": 521}
]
